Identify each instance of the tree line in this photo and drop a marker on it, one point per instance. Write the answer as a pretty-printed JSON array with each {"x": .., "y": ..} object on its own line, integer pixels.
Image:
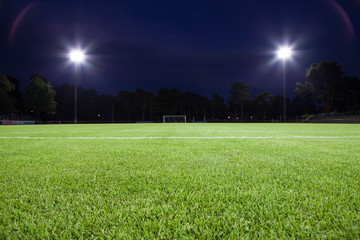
[{"x": 326, "y": 89}]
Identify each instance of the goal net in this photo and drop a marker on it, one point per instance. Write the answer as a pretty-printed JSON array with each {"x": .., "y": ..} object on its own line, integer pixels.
[{"x": 174, "y": 119}]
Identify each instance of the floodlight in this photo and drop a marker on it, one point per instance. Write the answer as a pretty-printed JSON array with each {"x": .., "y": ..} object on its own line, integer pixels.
[
  {"x": 284, "y": 52},
  {"x": 77, "y": 56}
]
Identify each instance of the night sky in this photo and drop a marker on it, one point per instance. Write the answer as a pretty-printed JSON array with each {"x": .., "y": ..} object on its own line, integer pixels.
[{"x": 192, "y": 45}]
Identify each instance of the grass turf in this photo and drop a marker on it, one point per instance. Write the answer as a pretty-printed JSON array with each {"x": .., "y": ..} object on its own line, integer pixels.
[{"x": 150, "y": 181}]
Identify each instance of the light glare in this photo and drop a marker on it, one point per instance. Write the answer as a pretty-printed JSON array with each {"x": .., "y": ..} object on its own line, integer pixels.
[
  {"x": 284, "y": 52},
  {"x": 77, "y": 56}
]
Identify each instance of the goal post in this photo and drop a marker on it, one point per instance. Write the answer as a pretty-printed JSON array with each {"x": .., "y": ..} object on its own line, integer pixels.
[{"x": 174, "y": 119}]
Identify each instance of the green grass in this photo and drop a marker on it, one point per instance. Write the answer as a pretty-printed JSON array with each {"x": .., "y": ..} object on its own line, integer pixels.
[{"x": 270, "y": 181}]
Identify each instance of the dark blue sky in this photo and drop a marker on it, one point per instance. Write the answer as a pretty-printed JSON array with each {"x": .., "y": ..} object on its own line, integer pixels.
[{"x": 192, "y": 45}]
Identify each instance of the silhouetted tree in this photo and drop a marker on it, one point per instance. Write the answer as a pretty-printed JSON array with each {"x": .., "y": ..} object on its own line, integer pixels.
[
  {"x": 124, "y": 106},
  {"x": 301, "y": 105},
  {"x": 17, "y": 96},
  {"x": 191, "y": 106},
  {"x": 175, "y": 102},
  {"x": 195, "y": 107},
  {"x": 39, "y": 96},
  {"x": 218, "y": 107},
  {"x": 65, "y": 102},
  {"x": 277, "y": 108},
  {"x": 86, "y": 104},
  {"x": 7, "y": 105},
  {"x": 304, "y": 102},
  {"x": 170, "y": 101},
  {"x": 204, "y": 106},
  {"x": 144, "y": 105},
  {"x": 349, "y": 93},
  {"x": 323, "y": 82},
  {"x": 263, "y": 103},
  {"x": 239, "y": 95},
  {"x": 104, "y": 108}
]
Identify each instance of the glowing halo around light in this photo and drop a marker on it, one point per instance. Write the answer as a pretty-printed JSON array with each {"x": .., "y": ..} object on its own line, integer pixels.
[
  {"x": 77, "y": 56},
  {"x": 284, "y": 52}
]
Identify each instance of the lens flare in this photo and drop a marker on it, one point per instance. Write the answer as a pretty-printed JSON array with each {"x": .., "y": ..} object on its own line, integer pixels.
[
  {"x": 16, "y": 23},
  {"x": 345, "y": 18}
]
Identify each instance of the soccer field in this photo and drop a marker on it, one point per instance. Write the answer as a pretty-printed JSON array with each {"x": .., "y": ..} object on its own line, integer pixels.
[{"x": 167, "y": 181}]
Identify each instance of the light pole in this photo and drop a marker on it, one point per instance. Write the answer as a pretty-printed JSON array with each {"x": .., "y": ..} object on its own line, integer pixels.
[
  {"x": 284, "y": 53},
  {"x": 76, "y": 56}
]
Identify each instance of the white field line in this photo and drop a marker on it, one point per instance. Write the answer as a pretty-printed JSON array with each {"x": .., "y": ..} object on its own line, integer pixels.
[
  {"x": 160, "y": 130},
  {"x": 185, "y": 130},
  {"x": 219, "y": 137}
]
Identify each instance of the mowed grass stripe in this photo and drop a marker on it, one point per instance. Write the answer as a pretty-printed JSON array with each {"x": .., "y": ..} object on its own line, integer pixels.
[
  {"x": 189, "y": 188},
  {"x": 215, "y": 137}
]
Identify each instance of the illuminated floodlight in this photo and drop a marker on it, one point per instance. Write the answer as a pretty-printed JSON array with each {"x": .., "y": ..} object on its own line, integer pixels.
[
  {"x": 284, "y": 52},
  {"x": 77, "y": 56}
]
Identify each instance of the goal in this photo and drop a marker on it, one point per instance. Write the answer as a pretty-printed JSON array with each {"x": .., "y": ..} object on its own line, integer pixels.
[{"x": 174, "y": 119}]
